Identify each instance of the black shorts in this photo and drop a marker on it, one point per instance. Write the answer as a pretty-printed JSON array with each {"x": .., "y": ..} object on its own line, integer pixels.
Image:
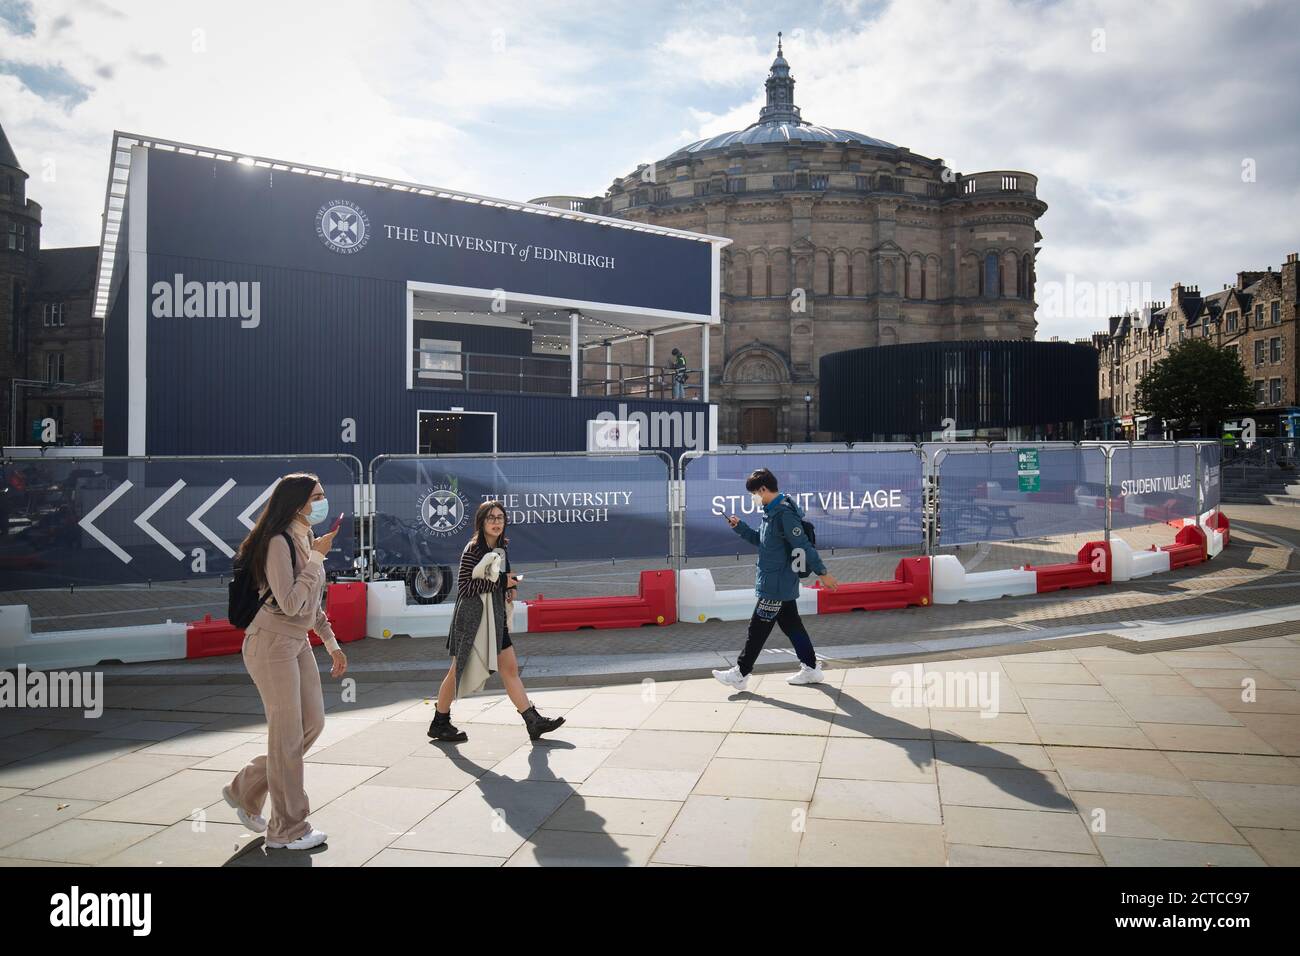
[{"x": 505, "y": 641}]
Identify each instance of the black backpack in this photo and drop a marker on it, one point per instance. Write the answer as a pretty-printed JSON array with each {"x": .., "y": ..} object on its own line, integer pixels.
[
  {"x": 810, "y": 532},
  {"x": 244, "y": 602}
]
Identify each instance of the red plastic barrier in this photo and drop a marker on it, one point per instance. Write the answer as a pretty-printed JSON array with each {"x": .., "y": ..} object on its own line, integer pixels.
[
  {"x": 911, "y": 586},
  {"x": 1219, "y": 522},
  {"x": 1188, "y": 547},
  {"x": 1081, "y": 573},
  {"x": 345, "y": 607},
  {"x": 654, "y": 603},
  {"x": 209, "y": 638}
]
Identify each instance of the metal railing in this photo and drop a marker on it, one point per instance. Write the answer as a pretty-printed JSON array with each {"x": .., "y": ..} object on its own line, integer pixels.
[
  {"x": 1262, "y": 453},
  {"x": 542, "y": 375}
]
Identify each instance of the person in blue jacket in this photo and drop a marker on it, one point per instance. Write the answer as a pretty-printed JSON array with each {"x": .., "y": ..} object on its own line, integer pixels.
[{"x": 783, "y": 551}]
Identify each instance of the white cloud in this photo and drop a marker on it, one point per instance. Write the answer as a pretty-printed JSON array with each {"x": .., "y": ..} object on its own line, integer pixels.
[{"x": 1138, "y": 148}]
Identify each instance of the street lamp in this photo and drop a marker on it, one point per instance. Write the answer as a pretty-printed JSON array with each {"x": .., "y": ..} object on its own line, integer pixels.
[{"x": 807, "y": 417}]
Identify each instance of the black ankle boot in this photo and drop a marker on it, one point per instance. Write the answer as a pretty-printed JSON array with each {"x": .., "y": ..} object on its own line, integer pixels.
[
  {"x": 442, "y": 728},
  {"x": 537, "y": 724}
]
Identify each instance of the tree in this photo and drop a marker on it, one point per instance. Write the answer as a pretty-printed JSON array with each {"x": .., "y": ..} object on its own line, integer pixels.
[{"x": 1197, "y": 386}]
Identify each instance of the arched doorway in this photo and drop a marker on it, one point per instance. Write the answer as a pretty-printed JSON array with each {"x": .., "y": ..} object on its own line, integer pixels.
[{"x": 755, "y": 382}]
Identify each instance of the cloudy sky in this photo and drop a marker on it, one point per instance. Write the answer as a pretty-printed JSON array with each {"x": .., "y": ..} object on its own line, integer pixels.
[{"x": 1164, "y": 133}]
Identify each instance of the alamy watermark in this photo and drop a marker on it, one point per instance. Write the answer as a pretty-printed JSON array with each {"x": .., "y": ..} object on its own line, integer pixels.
[
  {"x": 55, "y": 689},
  {"x": 180, "y": 299},
  {"x": 1084, "y": 299},
  {"x": 917, "y": 687}
]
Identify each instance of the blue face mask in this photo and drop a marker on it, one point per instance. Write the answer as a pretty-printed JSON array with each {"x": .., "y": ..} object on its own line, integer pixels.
[{"x": 319, "y": 511}]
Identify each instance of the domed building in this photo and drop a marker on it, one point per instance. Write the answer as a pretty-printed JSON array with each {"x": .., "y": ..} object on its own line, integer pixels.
[{"x": 840, "y": 241}]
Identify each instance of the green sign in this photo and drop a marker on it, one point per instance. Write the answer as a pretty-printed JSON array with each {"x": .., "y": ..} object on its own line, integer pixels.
[{"x": 1027, "y": 468}]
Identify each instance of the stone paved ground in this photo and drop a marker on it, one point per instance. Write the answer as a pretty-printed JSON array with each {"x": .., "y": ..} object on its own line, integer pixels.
[
  {"x": 1118, "y": 746},
  {"x": 1097, "y": 755}
]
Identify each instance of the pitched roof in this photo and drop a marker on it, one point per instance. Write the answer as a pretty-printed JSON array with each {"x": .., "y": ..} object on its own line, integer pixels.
[{"x": 7, "y": 157}]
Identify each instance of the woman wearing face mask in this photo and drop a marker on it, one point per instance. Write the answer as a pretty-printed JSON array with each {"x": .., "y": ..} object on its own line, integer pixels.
[
  {"x": 287, "y": 560},
  {"x": 479, "y": 641}
]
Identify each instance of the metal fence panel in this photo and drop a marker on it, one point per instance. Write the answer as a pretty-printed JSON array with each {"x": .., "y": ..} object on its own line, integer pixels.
[
  {"x": 104, "y": 521},
  {"x": 1152, "y": 483},
  {"x": 1209, "y": 456},
  {"x": 989, "y": 496},
  {"x": 558, "y": 507},
  {"x": 856, "y": 499}
]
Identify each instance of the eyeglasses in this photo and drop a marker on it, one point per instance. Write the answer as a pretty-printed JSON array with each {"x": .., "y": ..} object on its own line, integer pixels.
[{"x": 494, "y": 518}]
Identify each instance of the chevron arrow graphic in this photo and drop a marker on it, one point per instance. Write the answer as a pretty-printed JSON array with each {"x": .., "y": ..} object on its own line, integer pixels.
[
  {"x": 202, "y": 509},
  {"x": 246, "y": 516},
  {"x": 143, "y": 521},
  {"x": 88, "y": 523}
]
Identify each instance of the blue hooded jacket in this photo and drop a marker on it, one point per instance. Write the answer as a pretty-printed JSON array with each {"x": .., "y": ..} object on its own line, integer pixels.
[{"x": 781, "y": 532}]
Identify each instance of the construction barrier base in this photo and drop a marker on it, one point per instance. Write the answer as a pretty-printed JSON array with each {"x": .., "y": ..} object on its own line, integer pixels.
[
  {"x": 1091, "y": 567},
  {"x": 655, "y": 603},
  {"x": 345, "y": 606},
  {"x": 1188, "y": 548},
  {"x": 49, "y": 650},
  {"x": 699, "y": 599},
  {"x": 1127, "y": 564},
  {"x": 952, "y": 583},
  {"x": 910, "y": 588},
  {"x": 388, "y": 615}
]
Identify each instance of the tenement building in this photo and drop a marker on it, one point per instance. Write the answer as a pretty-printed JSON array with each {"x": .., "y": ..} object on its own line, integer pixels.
[
  {"x": 52, "y": 359},
  {"x": 839, "y": 241},
  {"x": 1255, "y": 318}
]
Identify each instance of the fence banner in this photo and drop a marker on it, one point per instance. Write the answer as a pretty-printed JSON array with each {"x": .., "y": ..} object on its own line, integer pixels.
[
  {"x": 101, "y": 521},
  {"x": 558, "y": 507},
  {"x": 1020, "y": 492},
  {"x": 1152, "y": 483},
  {"x": 856, "y": 499},
  {"x": 1209, "y": 458}
]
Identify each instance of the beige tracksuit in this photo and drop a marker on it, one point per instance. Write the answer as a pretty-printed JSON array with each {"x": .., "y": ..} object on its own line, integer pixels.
[{"x": 279, "y": 658}]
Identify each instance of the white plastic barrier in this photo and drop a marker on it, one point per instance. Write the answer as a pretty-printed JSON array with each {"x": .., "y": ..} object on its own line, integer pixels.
[
  {"x": 1213, "y": 542},
  {"x": 1127, "y": 564},
  {"x": 953, "y": 584},
  {"x": 388, "y": 615},
  {"x": 85, "y": 648},
  {"x": 699, "y": 600}
]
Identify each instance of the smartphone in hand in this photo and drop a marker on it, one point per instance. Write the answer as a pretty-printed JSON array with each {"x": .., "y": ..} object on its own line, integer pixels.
[{"x": 337, "y": 521}]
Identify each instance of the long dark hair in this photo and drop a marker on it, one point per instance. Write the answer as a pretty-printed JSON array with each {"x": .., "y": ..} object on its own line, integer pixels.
[
  {"x": 287, "y": 500},
  {"x": 479, "y": 540}
]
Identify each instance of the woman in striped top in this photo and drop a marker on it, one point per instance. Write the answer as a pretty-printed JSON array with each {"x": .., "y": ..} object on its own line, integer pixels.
[{"x": 489, "y": 535}]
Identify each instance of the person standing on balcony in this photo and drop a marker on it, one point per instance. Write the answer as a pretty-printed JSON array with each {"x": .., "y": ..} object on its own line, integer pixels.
[
  {"x": 479, "y": 639},
  {"x": 783, "y": 551},
  {"x": 679, "y": 374}
]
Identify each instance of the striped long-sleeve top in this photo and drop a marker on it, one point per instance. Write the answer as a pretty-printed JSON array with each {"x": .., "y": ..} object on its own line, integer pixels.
[{"x": 469, "y": 586}]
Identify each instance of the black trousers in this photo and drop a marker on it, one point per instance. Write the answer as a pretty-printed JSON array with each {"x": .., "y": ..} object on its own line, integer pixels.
[{"x": 766, "y": 614}]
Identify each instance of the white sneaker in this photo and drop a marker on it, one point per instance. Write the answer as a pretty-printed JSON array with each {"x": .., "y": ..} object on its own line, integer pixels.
[
  {"x": 254, "y": 822},
  {"x": 807, "y": 675},
  {"x": 311, "y": 838},
  {"x": 732, "y": 678}
]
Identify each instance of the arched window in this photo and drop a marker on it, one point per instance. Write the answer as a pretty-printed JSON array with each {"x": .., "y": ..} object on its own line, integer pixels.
[
  {"x": 1026, "y": 269},
  {"x": 769, "y": 279},
  {"x": 923, "y": 282},
  {"x": 907, "y": 279},
  {"x": 749, "y": 280},
  {"x": 992, "y": 285},
  {"x": 830, "y": 274}
]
